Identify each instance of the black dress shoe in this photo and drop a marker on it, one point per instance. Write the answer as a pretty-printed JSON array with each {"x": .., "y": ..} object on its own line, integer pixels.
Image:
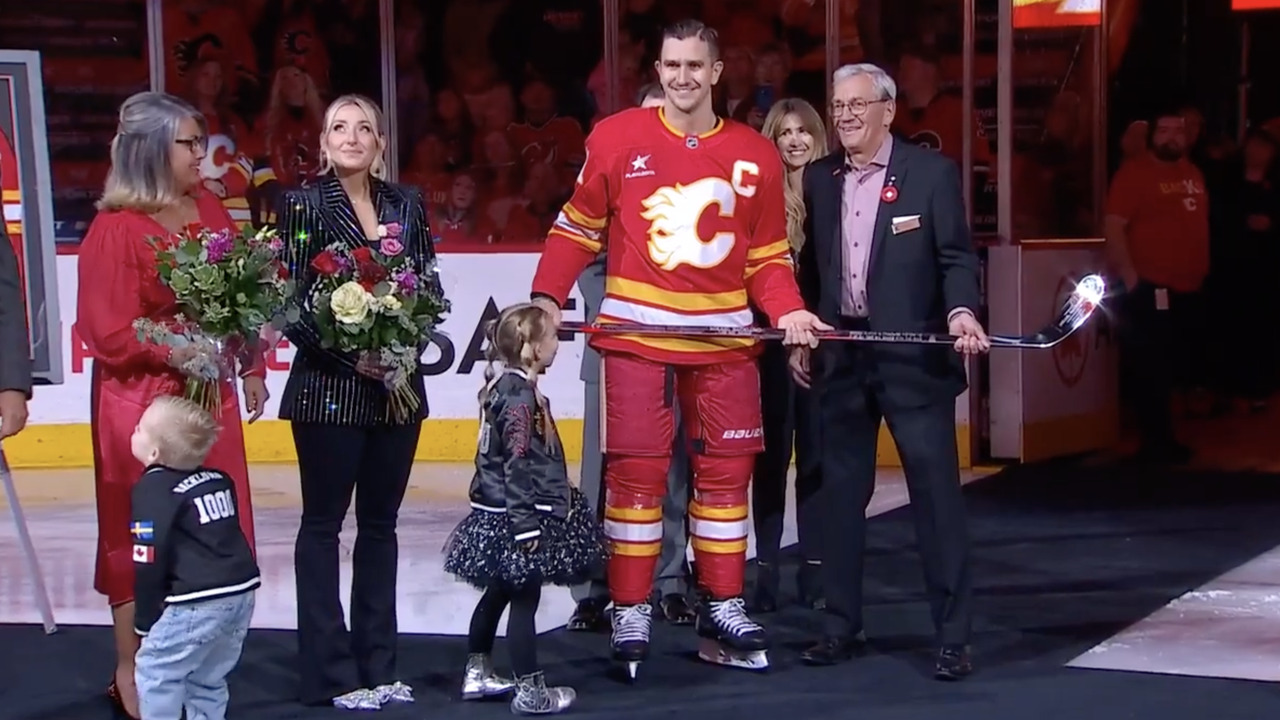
[
  {"x": 676, "y": 609},
  {"x": 589, "y": 616},
  {"x": 833, "y": 650},
  {"x": 765, "y": 598},
  {"x": 954, "y": 663}
]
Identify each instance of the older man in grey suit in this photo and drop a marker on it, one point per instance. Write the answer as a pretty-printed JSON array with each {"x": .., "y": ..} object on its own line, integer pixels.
[
  {"x": 671, "y": 578},
  {"x": 15, "y": 347}
]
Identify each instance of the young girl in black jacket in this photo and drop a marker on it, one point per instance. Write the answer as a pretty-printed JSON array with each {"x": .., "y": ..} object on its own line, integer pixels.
[{"x": 528, "y": 526}]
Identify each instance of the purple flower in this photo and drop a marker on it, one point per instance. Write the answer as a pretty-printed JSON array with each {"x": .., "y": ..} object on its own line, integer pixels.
[
  {"x": 406, "y": 281},
  {"x": 218, "y": 245},
  {"x": 275, "y": 244}
]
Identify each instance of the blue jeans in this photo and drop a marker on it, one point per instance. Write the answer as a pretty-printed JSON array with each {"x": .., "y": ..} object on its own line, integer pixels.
[{"x": 185, "y": 659}]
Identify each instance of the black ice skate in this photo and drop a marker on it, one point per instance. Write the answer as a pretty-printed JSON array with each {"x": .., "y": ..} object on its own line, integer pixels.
[
  {"x": 631, "y": 625},
  {"x": 727, "y": 636}
]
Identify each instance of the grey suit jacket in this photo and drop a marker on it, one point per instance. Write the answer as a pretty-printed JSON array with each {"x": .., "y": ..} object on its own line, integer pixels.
[
  {"x": 592, "y": 286},
  {"x": 15, "y": 345}
]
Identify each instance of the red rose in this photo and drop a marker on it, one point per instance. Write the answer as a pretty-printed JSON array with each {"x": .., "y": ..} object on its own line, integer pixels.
[
  {"x": 371, "y": 272},
  {"x": 282, "y": 271},
  {"x": 325, "y": 263},
  {"x": 362, "y": 255}
]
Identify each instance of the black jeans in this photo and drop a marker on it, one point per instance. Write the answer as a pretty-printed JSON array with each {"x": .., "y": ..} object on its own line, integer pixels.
[
  {"x": 788, "y": 421},
  {"x": 1155, "y": 359},
  {"x": 522, "y": 635},
  {"x": 334, "y": 462}
]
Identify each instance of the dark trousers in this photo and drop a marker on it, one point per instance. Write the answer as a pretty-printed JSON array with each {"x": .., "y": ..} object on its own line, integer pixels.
[
  {"x": 1154, "y": 359},
  {"x": 788, "y": 422},
  {"x": 522, "y": 635},
  {"x": 334, "y": 462},
  {"x": 853, "y": 402}
]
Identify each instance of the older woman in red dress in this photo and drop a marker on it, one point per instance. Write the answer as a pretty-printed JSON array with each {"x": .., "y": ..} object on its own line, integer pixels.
[{"x": 152, "y": 190}]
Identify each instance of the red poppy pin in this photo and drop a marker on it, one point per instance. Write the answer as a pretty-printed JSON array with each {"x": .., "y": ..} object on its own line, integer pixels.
[{"x": 889, "y": 194}]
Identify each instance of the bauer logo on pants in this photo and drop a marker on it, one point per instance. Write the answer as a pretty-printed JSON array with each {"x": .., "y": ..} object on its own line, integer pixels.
[{"x": 742, "y": 434}]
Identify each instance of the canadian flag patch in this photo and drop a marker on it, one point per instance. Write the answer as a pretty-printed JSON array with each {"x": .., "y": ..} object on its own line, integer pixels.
[{"x": 144, "y": 554}]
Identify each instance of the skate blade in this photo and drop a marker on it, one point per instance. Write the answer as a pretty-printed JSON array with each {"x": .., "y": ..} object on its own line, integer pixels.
[
  {"x": 715, "y": 653},
  {"x": 633, "y": 670}
]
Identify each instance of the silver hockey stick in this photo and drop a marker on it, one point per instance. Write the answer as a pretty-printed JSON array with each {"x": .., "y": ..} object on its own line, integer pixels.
[
  {"x": 29, "y": 558},
  {"x": 1079, "y": 306}
]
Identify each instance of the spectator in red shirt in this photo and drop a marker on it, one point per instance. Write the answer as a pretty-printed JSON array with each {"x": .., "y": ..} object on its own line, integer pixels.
[
  {"x": 1157, "y": 230},
  {"x": 458, "y": 221}
]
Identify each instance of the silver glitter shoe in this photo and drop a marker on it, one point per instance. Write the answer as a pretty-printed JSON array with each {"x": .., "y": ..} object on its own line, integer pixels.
[
  {"x": 533, "y": 697},
  {"x": 481, "y": 681},
  {"x": 362, "y": 699},
  {"x": 395, "y": 692}
]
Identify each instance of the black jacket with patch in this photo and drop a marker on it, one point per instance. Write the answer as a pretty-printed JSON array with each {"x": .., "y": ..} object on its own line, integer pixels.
[
  {"x": 187, "y": 541},
  {"x": 520, "y": 466}
]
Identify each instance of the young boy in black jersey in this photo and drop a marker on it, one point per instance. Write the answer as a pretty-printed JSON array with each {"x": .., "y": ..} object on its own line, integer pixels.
[{"x": 195, "y": 574}]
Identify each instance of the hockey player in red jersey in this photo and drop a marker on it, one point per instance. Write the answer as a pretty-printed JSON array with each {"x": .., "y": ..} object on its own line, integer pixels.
[{"x": 691, "y": 213}]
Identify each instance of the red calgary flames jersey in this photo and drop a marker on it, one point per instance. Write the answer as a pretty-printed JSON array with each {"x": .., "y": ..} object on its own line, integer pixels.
[
  {"x": 694, "y": 228},
  {"x": 557, "y": 142}
]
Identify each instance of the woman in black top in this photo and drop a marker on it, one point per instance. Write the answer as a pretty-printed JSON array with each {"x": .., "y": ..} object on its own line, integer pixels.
[{"x": 347, "y": 441}]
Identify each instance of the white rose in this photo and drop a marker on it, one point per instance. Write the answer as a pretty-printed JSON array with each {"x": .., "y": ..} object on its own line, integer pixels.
[
  {"x": 350, "y": 303},
  {"x": 382, "y": 231},
  {"x": 389, "y": 303}
]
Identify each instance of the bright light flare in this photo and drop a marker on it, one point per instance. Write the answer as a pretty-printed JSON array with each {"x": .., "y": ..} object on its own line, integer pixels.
[{"x": 1084, "y": 300}]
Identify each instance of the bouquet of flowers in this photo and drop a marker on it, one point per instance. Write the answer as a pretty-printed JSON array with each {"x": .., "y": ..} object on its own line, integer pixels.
[
  {"x": 376, "y": 301},
  {"x": 231, "y": 288}
]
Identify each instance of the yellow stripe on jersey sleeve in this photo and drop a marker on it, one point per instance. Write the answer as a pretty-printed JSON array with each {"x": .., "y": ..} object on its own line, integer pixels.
[
  {"x": 779, "y": 261},
  {"x": 586, "y": 222},
  {"x": 756, "y": 254},
  {"x": 557, "y": 230}
]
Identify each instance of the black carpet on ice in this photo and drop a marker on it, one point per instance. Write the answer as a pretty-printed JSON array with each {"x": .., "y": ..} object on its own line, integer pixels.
[{"x": 1066, "y": 556}]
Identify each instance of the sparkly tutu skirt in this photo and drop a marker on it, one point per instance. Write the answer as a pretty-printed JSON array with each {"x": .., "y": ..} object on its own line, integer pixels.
[{"x": 482, "y": 549}]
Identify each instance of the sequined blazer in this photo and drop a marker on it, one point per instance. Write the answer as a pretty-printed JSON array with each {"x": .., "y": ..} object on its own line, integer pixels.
[
  {"x": 520, "y": 466},
  {"x": 323, "y": 385}
]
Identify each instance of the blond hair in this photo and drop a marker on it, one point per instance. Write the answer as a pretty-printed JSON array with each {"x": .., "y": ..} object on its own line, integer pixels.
[
  {"x": 374, "y": 115},
  {"x": 278, "y": 109},
  {"x": 141, "y": 173},
  {"x": 513, "y": 340},
  {"x": 183, "y": 431},
  {"x": 811, "y": 121}
]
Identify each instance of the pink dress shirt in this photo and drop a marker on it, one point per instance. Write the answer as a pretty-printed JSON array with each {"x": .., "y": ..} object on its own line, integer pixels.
[{"x": 861, "y": 203}]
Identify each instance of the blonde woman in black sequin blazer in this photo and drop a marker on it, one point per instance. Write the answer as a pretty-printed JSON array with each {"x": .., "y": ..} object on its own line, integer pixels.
[{"x": 345, "y": 441}]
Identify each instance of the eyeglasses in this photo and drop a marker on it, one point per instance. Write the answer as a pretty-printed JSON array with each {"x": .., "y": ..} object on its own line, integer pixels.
[
  {"x": 855, "y": 107},
  {"x": 194, "y": 144}
]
